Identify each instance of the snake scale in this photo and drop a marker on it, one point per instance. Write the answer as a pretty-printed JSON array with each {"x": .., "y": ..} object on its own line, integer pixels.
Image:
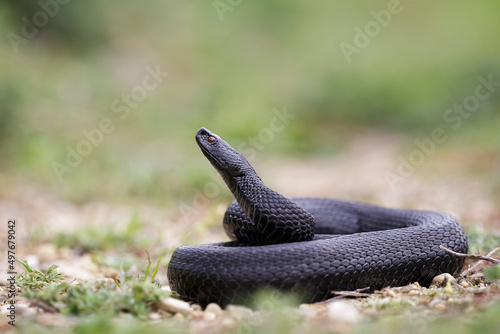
[{"x": 308, "y": 246}]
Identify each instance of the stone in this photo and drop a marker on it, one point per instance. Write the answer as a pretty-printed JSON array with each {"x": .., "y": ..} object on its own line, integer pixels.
[
  {"x": 343, "y": 313},
  {"x": 442, "y": 280},
  {"x": 174, "y": 305}
]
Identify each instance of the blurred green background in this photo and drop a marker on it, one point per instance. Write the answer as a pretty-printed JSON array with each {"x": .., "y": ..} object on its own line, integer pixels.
[{"x": 229, "y": 64}]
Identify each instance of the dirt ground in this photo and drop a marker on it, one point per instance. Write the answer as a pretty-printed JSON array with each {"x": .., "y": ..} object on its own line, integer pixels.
[{"x": 445, "y": 181}]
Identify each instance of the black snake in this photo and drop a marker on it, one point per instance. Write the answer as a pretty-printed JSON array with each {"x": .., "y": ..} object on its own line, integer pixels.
[{"x": 309, "y": 246}]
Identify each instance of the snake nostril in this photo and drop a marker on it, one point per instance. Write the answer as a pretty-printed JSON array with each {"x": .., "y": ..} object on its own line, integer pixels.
[{"x": 202, "y": 131}]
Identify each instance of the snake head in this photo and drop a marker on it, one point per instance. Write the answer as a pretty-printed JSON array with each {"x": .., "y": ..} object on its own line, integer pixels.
[{"x": 226, "y": 160}]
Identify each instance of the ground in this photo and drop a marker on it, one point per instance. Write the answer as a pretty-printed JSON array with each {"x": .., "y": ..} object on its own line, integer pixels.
[{"x": 105, "y": 242}]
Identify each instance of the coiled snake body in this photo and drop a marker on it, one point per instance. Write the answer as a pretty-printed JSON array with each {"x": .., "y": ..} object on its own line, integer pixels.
[{"x": 309, "y": 246}]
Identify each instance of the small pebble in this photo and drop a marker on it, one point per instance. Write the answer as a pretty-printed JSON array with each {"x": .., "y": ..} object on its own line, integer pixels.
[
  {"x": 465, "y": 284},
  {"x": 214, "y": 308},
  {"x": 343, "y": 313},
  {"x": 416, "y": 286},
  {"x": 209, "y": 316},
  {"x": 174, "y": 305},
  {"x": 440, "y": 307},
  {"x": 442, "y": 280},
  {"x": 178, "y": 316},
  {"x": 389, "y": 293}
]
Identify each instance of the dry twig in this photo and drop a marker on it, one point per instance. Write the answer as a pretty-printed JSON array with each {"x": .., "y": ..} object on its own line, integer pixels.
[
  {"x": 478, "y": 264},
  {"x": 44, "y": 306},
  {"x": 473, "y": 256},
  {"x": 355, "y": 293}
]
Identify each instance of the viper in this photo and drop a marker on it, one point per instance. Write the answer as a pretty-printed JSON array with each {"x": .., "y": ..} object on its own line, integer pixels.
[{"x": 308, "y": 246}]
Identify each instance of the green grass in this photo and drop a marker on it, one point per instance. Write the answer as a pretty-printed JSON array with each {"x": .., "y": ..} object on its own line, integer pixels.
[
  {"x": 34, "y": 279},
  {"x": 135, "y": 295},
  {"x": 492, "y": 273},
  {"x": 481, "y": 240}
]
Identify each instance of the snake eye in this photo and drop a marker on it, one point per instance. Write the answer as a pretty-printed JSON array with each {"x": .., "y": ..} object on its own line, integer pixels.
[{"x": 211, "y": 139}]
